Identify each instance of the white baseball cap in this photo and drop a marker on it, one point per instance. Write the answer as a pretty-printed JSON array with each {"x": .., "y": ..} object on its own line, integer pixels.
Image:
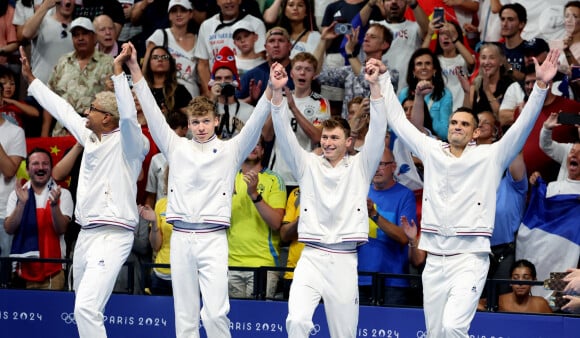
[
  {"x": 83, "y": 23},
  {"x": 183, "y": 3}
]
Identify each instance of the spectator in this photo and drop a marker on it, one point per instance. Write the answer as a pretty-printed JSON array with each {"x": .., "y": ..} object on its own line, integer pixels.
[
  {"x": 253, "y": 238},
  {"x": 555, "y": 150},
  {"x": 547, "y": 236},
  {"x": 376, "y": 43},
  {"x": 180, "y": 43},
  {"x": 489, "y": 27},
  {"x": 12, "y": 152},
  {"x": 297, "y": 17},
  {"x": 245, "y": 39},
  {"x": 289, "y": 234},
  {"x": 39, "y": 212},
  {"x": 387, "y": 250},
  {"x": 224, "y": 83},
  {"x": 160, "y": 72},
  {"x": 570, "y": 44},
  {"x": 513, "y": 20},
  {"x": 407, "y": 35},
  {"x": 23, "y": 11},
  {"x": 106, "y": 35},
  {"x": 8, "y": 39},
  {"x": 92, "y": 8},
  {"x": 455, "y": 58},
  {"x": 217, "y": 32},
  {"x": 160, "y": 239},
  {"x": 331, "y": 228},
  {"x": 521, "y": 298},
  {"x": 15, "y": 111},
  {"x": 534, "y": 157},
  {"x": 150, "y": 16},
  {"x": 190, "y": 209},
  {"x": 308, "y": 111},
  {"x": 425, "y": 82},
  {"x": 358, "y": 119},
  {"x": 255, "y": 80},
  {"x": 487, "y": 90},
  {"x": 544, "y": 18},
  {"x": 452, "y": 235},
  {"x": 106, "y": 209},
  {"x": 130, "y": 31},
  {"x": 80, "y": 74},
  {"x": 50, "y": 35}
]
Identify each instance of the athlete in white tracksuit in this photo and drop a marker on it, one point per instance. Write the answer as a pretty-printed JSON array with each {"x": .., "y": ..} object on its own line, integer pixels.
[
  {"x": 459, "y": 196},
  {"x": 333, "y": 213},
  {"x": 114, "y": 149},
  {"x": 199, "y": 192}
]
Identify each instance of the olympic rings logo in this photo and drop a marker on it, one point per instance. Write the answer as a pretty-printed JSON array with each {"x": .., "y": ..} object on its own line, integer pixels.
[
  {"x": 68, "y": 318},
  {"x": 314, "y": 330}
]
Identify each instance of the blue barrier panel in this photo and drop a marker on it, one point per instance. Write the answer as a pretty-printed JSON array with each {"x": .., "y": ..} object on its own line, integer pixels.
[{"x": 46, "y": 314}]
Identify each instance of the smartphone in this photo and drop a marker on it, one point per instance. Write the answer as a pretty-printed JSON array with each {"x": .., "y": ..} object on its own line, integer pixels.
[
  {"x": 343, "y": 28},
  {"x": 439, "y": 13},
  {"x": 569, "y": 118}
]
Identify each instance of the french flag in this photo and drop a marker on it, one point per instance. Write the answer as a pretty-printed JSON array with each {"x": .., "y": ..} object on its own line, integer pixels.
[{"x": 549, "y": 235}]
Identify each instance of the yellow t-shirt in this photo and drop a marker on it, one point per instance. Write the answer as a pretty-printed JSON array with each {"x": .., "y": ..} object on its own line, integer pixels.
[
  {"x": 251, "y": 242},
  {"x": 292, "y": 213},
  {"x": 166, "y": 229}
]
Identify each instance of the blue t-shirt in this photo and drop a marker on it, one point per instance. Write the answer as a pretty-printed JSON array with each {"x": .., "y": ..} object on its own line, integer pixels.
[
  {"x": 260, "y": 73},
  {"x": 440, "y": 111},
  {"x": 381, "y": 253},
  {"x": 510, "y": 207}
]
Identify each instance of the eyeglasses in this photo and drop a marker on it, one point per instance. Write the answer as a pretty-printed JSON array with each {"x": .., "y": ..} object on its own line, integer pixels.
[
  {"x": 160, "y": 57},
  {"x": 384, "y": 164},
  {"x": 64, "y": 33},
  {"x": 99, "y": 110}
]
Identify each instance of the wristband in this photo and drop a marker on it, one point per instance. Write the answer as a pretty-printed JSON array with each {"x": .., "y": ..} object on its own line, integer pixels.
[
  {"x": 413, "y": 6},
  {"x": 375, "y": 218},
  {"x": 258, "y": 198}
]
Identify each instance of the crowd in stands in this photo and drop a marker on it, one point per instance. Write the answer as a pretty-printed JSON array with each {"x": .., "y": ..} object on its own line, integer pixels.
[{"x": 218, "y": 54}]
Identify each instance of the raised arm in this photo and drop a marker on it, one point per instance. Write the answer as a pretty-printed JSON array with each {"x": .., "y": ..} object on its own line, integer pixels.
[
  {"x": 292, "y": 152},
  {"x": 513, "y": 140},
  {"x": 58, "y": 107},
  {"x": 375, "y": 139},
  {"x": 135, "y": 144},
  {"x": 31, "y": 26},
  {"x": 162, "y": 134},
  {"x": 557, "y": 151}
]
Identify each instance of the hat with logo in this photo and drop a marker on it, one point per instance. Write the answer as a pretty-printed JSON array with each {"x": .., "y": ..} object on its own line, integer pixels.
[
  {"x": 225, "y": 59},
  {"x": 536, "y": 46}
]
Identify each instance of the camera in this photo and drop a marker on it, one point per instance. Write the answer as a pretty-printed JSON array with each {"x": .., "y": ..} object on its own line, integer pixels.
[
  {"x": 228, "y": 89},
  {"x": 343, "y": 28}
]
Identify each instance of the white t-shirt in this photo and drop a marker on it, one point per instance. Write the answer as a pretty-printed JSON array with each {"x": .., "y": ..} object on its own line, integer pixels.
[
  {"x": 238, "y": 118},
  {"x": 308, "y": 46},
  {"x": 489, "y": 23},
  {"x": 185, "y": 61},
  {"x": 156, "y": 176},
  {"x": 209, "y": 42},
  {"x": 23, "y": 13},
  {"x": 514, "y": 95},
  {"x": 14, "y": 144},
  {"x": 244, "y": 65},
  {"x": 48, "y": 46},
  {"x": 451, "y": 69},
  {"x": 316, "y": 109},
  {"x": 406, "y": 39}
]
